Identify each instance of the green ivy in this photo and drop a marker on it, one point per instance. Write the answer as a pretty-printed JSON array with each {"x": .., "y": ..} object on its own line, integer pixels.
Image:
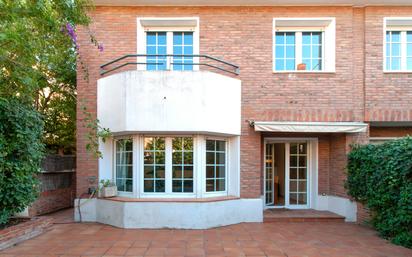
[
  {"x": 21, "y": 151},
  {"x": 380, "y": 176}
]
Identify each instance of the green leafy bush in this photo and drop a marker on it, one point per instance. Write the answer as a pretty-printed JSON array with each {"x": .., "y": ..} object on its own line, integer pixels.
[
  {"x": 21, "y": 151},
  {"x": 380, "y": 176}
]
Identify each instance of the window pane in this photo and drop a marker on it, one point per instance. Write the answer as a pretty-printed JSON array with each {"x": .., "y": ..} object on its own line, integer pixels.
[
  {"x": 177, "y": 38},
  {"x": 409, "y": 50},
  {"x": 409, "y": 63},
  {"x": 280, "y": 38},
  {"x": 124, "y": 165},
  {"x": 290, "y": 51},
  {"x": 396, "y": 63},
  {"x": 161, "y": 38},
  {"x": 290, "y": 38},
  {"x": 220, "y": 158},
  {"x": 409, "y": 36},
  {"x": 220, "y": 185},
  {"x": 396, "y": 50},
  {"x": 188, "y": 172},
  {"x": 210, "y": 158},
  {"x": 306, "y": 38},
  {"x": 279, "y": 64},
  {"x": 160, "y": 186},
  {"x": 210, "y": 171},
  {"x": 290, "y": 64},
  {"x": 177, "y": 185},
  {"x": 316, "y": 38},
  {"x": 280, "y": 51},
  {"x": 188, "y": 186},
  {"x": 220, "y": 172},
  {"x": 316, "y": 51},
  {"x": 151, "y": 38},
  {"x": 149, "y": 185},
  {"x": 396, "y": 36},
  {"x": 306, "y": 51}
]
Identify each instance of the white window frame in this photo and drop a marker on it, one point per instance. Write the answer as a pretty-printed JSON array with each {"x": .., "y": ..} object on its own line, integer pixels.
[
  {"x": 227, "y": 168},
  {"x": 168, "y": 25},
  {"x": 326, "y": 25},
  {"x": 402, "y": 24},
  {"x": 114, "y": 175}
]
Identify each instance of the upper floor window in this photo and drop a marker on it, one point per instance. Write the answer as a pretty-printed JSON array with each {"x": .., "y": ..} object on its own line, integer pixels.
[
  {"x": 398, "y": 44},
  {"x": 169, "y": 43},
  {"x": 306, "y": 44}
]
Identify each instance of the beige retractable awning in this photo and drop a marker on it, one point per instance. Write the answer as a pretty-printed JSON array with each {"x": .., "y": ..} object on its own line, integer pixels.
[{"x": 314, "y": 127}]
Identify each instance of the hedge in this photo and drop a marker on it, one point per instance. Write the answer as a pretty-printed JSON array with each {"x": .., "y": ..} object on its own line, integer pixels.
[
  {"x": 21, "y": 151},
  {"x": 380, "y": 177}
]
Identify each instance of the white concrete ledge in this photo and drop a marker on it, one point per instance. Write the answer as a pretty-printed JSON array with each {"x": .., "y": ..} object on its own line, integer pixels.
[
  {"x": 339, "y": 205},
  {"x": 182, "y": 215}
]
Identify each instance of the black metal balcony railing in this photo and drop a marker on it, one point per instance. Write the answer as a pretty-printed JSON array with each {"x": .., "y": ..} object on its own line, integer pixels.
[{"x": 168, "y": 61}]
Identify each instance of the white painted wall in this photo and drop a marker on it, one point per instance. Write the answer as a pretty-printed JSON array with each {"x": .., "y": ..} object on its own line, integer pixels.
[
  {"x": 169, "y": 101},
  {"x": 191, "y": 215},
  {"x": 338, "y": 205}
]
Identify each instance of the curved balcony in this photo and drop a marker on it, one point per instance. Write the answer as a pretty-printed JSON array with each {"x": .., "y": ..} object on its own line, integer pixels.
[{"x": 168, "y": 101}]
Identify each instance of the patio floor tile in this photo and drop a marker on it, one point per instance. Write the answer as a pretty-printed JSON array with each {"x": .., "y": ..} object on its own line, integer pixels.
[{"x": 280, "y": 239}]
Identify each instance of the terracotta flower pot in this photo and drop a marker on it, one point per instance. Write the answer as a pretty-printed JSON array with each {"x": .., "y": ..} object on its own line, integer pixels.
[{"x": 301, "y": 66}]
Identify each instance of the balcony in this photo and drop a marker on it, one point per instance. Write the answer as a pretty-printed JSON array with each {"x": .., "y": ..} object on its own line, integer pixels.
[{"x": 198, "y": 99}]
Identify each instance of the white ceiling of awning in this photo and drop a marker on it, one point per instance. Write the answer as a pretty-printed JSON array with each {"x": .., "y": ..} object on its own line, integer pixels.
[{"x": 310, "y": 127}]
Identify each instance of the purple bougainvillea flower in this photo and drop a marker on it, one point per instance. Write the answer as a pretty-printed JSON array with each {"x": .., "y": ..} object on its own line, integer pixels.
[
  {"x": 72, "y": 34},
  {"x": 100, "y": 47}
]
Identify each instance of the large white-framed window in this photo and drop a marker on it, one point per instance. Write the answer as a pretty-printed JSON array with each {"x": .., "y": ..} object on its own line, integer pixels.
[
  {"x": 123, "y": 168},
  {"x": 304, "y": 44},
  {"x": 177, "y": 36},
  {"x": 168, "y": 166},
  {"x": 397, "y": 50}
]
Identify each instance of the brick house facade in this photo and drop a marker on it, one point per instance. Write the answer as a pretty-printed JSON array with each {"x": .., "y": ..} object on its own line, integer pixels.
[{"x": 356, "y": 91}]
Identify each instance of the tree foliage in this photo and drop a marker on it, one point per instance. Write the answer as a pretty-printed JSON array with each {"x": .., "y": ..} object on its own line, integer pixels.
[
  {"x": 380, "y": 176},
  {"x": 38, "y": 61},
  {"x": 38, "y": 53},
  {"x": 21, "y": 150}
]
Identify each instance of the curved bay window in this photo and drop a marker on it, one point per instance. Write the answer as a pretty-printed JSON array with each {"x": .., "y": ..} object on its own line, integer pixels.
[{"x": 171, "y": 166}]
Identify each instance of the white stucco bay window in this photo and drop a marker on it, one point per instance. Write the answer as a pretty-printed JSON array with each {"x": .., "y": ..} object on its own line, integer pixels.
[
  {"x": 397, "y": 44},
  {"x": 304, "y": 44}
]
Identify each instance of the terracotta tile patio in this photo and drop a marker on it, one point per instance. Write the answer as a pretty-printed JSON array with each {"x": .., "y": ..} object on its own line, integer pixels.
[{"x": 258, "y": 239}]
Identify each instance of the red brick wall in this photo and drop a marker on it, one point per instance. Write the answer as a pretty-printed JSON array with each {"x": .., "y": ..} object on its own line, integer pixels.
[
  {"x": 388, "y": 95},
  {"x": 55, "y": 199},
  {"x": 243, "y": 35}
]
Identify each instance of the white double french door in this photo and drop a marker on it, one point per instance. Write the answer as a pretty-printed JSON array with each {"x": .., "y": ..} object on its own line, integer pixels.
[{"x": 287, "y": 174}]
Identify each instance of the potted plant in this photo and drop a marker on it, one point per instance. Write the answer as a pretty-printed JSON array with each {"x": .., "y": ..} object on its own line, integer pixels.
[
  {"x": 302, "y": 66},
  {"x": 107, "y": 189}
]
